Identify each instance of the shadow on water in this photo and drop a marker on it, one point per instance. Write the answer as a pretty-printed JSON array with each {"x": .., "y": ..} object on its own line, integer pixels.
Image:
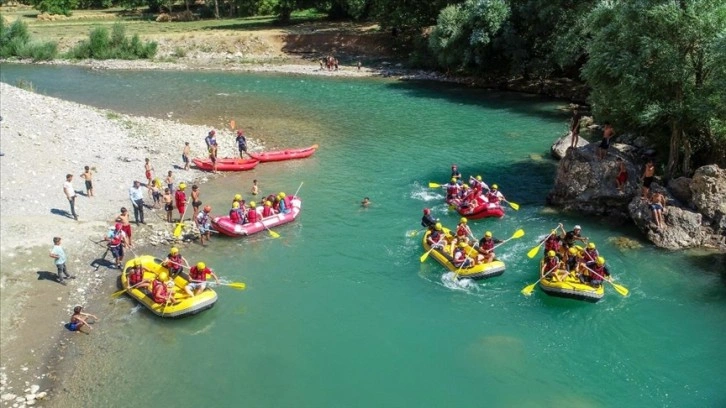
[{"x": 515, "y": 102}]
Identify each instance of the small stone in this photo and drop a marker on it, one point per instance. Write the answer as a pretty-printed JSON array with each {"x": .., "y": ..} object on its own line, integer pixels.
[
  {"x": 7, "y": 397},
  {"x": 34, "y": 388},
  {"x": 41, "y": 395},
  {"x": 30, "y": 397}
]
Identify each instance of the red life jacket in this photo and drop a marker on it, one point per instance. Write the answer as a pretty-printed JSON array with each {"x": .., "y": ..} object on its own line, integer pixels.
[
  {"x": 198, "y": 275},
  {"x": 267, "y": 211},
  {"x": 116, "y": 240},
  {"x": 435, "y": 237},
  {"x": 288, "y": 202},
  {"x": 180, "y": 197},
  {"x": 591, "y": 255},
  {"x": 462, "y": 231},
  {"x": 487, "y": 244},
  {"x": 252, "y": 216},
  {"x": 159, "y": 292},
  {"x": 452, "y": 190},
  {"x": 234, "y": 216},
  {"x": 459, "y": 257},
  {"x": 136, "y": 276},
  {"x": 492, "y": 197},
  {"x": 599, "y": 270},
  {"x": 553, "y": 244},
  {"x": 551, "y": 263}
]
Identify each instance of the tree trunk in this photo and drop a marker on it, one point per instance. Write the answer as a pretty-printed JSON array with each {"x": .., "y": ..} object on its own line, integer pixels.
[
  {"x": 186, "y": 3},
  {"x": 675, "y": 148},
  {"x": 687, "y": 153},
  {"x": 216, "y": 9}
]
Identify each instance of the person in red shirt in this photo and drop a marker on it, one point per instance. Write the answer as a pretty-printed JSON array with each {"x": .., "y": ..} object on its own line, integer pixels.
[
  {"x": 198, "y": 279},
  {"x": 181, "y": 200},
  {"x": 252, "y": 215},
  {"x": 267, "y": 210}
]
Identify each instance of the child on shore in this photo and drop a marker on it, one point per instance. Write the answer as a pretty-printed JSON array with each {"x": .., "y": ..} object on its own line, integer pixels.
[
  {"x": 59, "y": 255},
  {"x": 148, "y": 171},
  {"x": 80, "y": 320},
  {"x": 88, "y": 176},
  {"x": 155, "y": 191},
  {"x": 185, "y": 155}
]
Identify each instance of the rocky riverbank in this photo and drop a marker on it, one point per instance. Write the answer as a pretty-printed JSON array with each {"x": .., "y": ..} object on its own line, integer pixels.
[
  {"x": 695, "y": 214},
  {"x": 42, "y": 139}
]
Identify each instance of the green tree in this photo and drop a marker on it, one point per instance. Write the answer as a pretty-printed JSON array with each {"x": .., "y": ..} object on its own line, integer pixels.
[
  {"x": 64, "y": 7},
  {"x": 657, "y": 65},
  {"x": 464, "y": 32}
]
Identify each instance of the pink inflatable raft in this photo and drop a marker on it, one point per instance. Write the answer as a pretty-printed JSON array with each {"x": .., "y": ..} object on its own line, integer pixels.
[{"x": 227, "y": 227}]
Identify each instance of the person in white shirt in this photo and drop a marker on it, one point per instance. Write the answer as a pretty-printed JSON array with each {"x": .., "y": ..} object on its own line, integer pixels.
[
  {"x": 70, "y": 193},
  {"x": 136, "y": 195}
]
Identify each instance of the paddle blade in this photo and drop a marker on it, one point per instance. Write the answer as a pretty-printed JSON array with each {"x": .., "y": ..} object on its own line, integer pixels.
[
  {"x": 434, "y": 185},
  {"x": 514, "y": 206},
  {"x": 528, "y": 289},
  {"x": 413, "y": 233},
  {"x": 424, "y": 256},
  {"x": 273, "y": 234},
  {"x": 533, "y": 252},
  {"x": 518, "y": 233},
  {"x": 115, "y": 294},
  {"x": 621, "y": 289},
  {"x": 315, "y": 146},
  {"x": 237, "y": 285},
  {"x": 178, "y": 230}
]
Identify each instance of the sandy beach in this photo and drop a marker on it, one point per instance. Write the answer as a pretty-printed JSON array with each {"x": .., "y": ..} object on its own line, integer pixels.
[{"x": 42, "y": 140}]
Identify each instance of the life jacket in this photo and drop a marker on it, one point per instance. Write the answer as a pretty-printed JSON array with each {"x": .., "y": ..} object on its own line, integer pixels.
[
  {"x": 462, "y": 230},
  {"x": 203, "y": 218},
  {"x": 159, "y": 292},
  {"x": 288, "y": 202},
  {"x": 551, "y": 263},
  {"x": 180, "y": 197},
  {"x": 601, "y": 270},
  {"x": 116, "y": 239},
  {"x": 197, "y": 275},
  {"x": 552, "y": 243},
  {"x": 492, "y": 197},
  {"x": 591, "y": 254},
  {"x": 267, "y": 211},
  {"x": 283, "y": 206},
  {"x": 452, "y": 190},
  {"x": 136, "y": 276},
  {"x": 435, "y": 237},
  {"x": 459, "y": 257},
  {"x": 487, "y": 244},
  {"x": 252, "y": 216},
  {"x": 234, "y": 215},
  {"x": 177, "y": 261}
]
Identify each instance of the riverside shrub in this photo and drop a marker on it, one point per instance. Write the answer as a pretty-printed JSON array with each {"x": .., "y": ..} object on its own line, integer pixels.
[
  {"x": 15, "y": 42},
  {"x": 114, "y": 45}
]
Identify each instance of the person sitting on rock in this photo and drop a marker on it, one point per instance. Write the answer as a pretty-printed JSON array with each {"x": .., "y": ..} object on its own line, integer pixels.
[{"x": 657, "y": 205}]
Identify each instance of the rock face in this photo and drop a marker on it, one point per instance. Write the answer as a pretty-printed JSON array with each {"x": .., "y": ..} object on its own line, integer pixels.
[
  {"x": 696, "y": 211},
  {"x": 559, "y": 148},
  {"x": 587, "y": 185}
]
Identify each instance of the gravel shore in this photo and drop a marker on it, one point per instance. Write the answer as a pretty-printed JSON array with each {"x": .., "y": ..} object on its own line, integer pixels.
[{"x": 41, "y": 140}]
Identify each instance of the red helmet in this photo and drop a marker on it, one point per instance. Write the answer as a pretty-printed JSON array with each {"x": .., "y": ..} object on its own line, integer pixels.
[
  {"x": 207, "y": 208},
  {"x": 118, "y": 226},
  {"x": 212, "y": 132},
  {"x": 240, "y": 132},
  {"x": 427, "y": 211}
]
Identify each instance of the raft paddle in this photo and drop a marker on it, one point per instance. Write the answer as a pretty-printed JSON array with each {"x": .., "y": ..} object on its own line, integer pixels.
[
  {"x": 533, "y": 252},
  {"x": 180, "y": 224},
  {"x": 273, "y": 234},
  {"x": 298, "y": 189},
  {"x": 426, "y": 255},
  {"x": 619, "y": 288},
  {"x": 235, "y": 285},
  {"x": 114, "y": 294},
  {"x": 514, "y": 206},
  {"x": 414, "y": 233},
  {"x": 529, "y": 288},
  {"x": 434, "y": 185}
]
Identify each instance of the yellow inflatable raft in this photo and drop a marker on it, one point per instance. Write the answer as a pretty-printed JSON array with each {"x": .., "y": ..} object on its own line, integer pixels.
[
  {"x": 570, "y": 286},
  {"x": 187, "y": 305},
  {"x": 481, "y": 271}
]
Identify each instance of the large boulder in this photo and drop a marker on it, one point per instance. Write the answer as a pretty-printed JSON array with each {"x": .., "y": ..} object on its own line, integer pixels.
[
  {"x": 559, "y": 148},
  {"x": 683, "y": 227},
  {"x": 585, "y": 184},
  {"x": 681, "y": 190},
  {"x": 709, "y": 195}
]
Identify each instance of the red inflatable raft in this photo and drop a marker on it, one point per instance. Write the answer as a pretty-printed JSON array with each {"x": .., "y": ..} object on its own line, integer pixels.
[
  {"x": 227, "y": 227},
  {"x": 227, "y": 164},
  {"x": 483, "y": 209},
  {"x": 288, "y": 154}
]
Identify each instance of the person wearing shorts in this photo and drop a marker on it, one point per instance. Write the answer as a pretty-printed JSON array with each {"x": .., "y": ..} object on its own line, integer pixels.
[{"x": 185, "y": 155}]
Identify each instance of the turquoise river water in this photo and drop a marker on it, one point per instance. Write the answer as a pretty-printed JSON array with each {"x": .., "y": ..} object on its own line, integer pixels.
[{"x": 339, "y": 312}]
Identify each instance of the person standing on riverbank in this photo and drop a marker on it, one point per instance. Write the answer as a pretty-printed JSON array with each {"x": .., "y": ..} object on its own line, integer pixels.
[
  {"x": 148, "y": 171},
  {"x": 59, "y": 255},
  {"x": 180, "y": 197},
  {"x": 196, "y": 202},
  {"x": 169, "y": 180},
  {"x": 168, "y": 204},
  {"x": 607, "y": 136},
  {"x": 185, "y": 155},
  {"x": 648, "y": 174},
  {"x": 125, "y": 222},
  {"x": 204, "y": 223},
  {"x": 137, "y": 199},
  {"x": 575, "y": 128},
  {"x": 70, "y": 193},
  {"x": 87, "y": 175}
]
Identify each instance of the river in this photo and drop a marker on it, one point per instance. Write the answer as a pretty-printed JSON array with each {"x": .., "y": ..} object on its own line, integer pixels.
[{"x": 339, "y": 312}]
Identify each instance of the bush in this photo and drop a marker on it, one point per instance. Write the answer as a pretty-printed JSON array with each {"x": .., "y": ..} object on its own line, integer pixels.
[
  {"x": 102, "y": 45},
  {"x": 64, "y": 7},
  {"x": 15, "y": 42}
]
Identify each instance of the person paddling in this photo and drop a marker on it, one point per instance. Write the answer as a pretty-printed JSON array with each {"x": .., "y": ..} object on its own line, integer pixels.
[
  {"x": 135, "y": 277},
  {"x": 174, "y": 262},
  {"x": 428, "y": 221},
  {"x": 235, "y": 214},
  {"x": 486, "y": 246},
  {"x": 198, "y": 279},
  {"x": 252, "y": 215},
  {"x": 160, "y": 293},
  {"x": 436, "y": 238}
]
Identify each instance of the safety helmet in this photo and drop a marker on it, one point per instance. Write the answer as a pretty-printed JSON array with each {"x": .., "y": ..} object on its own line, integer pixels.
[
  {"x": 488, "y": 234},
  {"x": 591, "y": 245},
  {"x": 207, "y": 208},
  {"x": 282, "y": 195},
  {"x": 600, "y": 261},
  {"x": 463, "y": 220},
  {"x": 174, "y": 250},
  {"x": 462, "y": 244},
  {"x": 551, "y": 253},
  {"x": 577, "y": 227},
  {"x": 573, "y": 251},
  {"x": 137, "y": 263},
  {"x": 438, "y": 226},
  {"x": 554, "y": 232},
  {"x": 267, "y": 203},
  {"x": 478, "y": 178},
  {"x": 237, "y": 197},
  {"x": 182, "y": 186},
  {"x": 235, "y": 205},
  {"x": 494, "y": 186},
  {"x": 279, "y": 197},
  {"x": 201, "y": 265},
  {"x": 163, "y": 276},
  {"x": 465, "y": 186},
  {"x": 118, "y": 226},
  {"x": 427, "y": 211},
  {"x": 453, "y": 179},
  {"x": 253, "y": 204}
]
